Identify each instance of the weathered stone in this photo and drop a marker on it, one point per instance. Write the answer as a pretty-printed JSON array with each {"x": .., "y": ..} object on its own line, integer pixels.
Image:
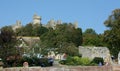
[
  {"x": 119, "y": 58},
  {"x": 68, "y": 68},
  {"x": 92, "y": 52},
  {"x": 36, "y": 19}
]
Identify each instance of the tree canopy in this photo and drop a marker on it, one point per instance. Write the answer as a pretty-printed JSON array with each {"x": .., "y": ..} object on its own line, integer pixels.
[
  {"x": 112, "y": 35},
  {"x": 31, "y": 30},
  {"x": 63, "y": 35},
  {"x": 7, "y": 43},
  {"x": 91, "y": 38}
]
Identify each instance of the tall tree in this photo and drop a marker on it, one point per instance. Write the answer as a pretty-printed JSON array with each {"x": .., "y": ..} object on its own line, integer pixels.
[
  {"x": 28, "y": 29},
  {"x": 7, "y": 43},
  {"x": 112, "y": 35},
  {"x": 61, "y": 35},
  {"x": 31, "y": 30},
  {"x": 90, "y": 31},
  {"x": 41, "y": 30},
  {"x": 91, "y": 38}
]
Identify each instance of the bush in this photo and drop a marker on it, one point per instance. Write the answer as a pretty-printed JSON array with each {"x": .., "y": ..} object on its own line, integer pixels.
[
  {"x": 32, "y": 61},
  {"x": 97, "y": 60},
  {"x": 9, "y": 63},
  {"x": 76, "y": 61},
  {"x": 43, "y": 62},
  {"x": 62, "y": 62},
  {"x": 85, "y": 61}
]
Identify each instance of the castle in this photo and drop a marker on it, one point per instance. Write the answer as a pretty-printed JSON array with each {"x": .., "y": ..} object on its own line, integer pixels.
[{"x": 37, "y": 20}]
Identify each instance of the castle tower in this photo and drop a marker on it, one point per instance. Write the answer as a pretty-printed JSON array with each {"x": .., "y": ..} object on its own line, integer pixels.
[
  {"x": 17, "y": 25},
  {"x": 75, "y": 24},
  {"x": 36, "y": 19},
  {"x": 59, "y": 22},
  {"x": 51, "y": 23}
]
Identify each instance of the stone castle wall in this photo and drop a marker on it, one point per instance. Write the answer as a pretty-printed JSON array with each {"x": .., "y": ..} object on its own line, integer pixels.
[{"x": 92, "y": 52}]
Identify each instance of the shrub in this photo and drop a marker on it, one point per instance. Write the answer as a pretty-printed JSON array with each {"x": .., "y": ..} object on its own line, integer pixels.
[
  {"x": 35, "y": 61},
  {"x": 62, "y": 62},
  {"x": 32, "y": 61},
  {"x": 85, "y": 61},
  {"x": 76, "y": 60},
  {"x": 97, "y": 60},
  {"x": 67, "y": 61},
  {"x": 43, "y": 62}
]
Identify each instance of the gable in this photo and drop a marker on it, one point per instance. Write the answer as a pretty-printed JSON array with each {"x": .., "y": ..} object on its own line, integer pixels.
[{"x": 28, "y": 41}]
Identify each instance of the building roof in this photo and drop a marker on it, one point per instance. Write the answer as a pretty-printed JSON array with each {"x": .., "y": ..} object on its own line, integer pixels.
[{"x": 29, "y": 40}]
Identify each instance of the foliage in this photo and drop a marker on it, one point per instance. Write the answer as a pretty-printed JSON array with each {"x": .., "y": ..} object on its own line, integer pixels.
[
  {"x": 112, "y": 35},
  {"x": 91, "y": 38},
  {"x": 41, "y": 30},
  {"x": 90, "y": 31},
  {"x": 18, "y": 62},
  {"x": 70, "y": 33},
  {"x": 70, "y": 49},
  {"x": 77, "y": 61},
  {"x": 31, "y": 30},
  {"x": 63, "y": 37},
  {"x": 7, "y": 44},
  {"x": 32, "y": 61},
  {"x": 44, "y": 62},
  {"x": 97, "y": 60},
  {"x": 85, "y": 61}
]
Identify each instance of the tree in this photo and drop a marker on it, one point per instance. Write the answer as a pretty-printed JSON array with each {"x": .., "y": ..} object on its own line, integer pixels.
[
  {"x": 69, "y": 33},
  {"x": 61, "y": 35},
  {"x": 91, "y": 38},
  {"x": 41, "y": 30},
  {"x": 112, "y": 35},
  {"x": 31, "y": 30},
  {"x": 69, "y": 48},
  {"x": 7, "y": 43},
  {"x": 28, "y": 30},
  {"x": 90, "y": 31}
]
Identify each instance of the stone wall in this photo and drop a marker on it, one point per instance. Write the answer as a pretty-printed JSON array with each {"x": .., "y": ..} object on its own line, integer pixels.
[
  {"x": 92, "y": 52},
  {"x": 73, "y": 68}
]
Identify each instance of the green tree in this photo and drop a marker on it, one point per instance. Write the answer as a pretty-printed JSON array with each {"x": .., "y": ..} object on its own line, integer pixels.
[
  {"x": 112, "y": 35},
  {"x": 69, "y": 33},
  {"x": 20, "y": 31},
  {"x": 63, "y": 35},
  {"x": 70, "y": 49},
  {"x": 90, "y": 31},
  {"x": 25, "y": 30},
  {"x": 28, "y": 30},
  {"x": 7, "y": 43},
  {"x": 31, "y": 30},
  {"x": 41, "y": 30},
  {"x": 91, "y": 38}
]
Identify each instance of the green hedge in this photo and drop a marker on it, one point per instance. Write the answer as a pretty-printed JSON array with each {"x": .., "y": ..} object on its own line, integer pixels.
[
  {"x": 78, "y": 61},
  {"x": 32, "y": 61}
]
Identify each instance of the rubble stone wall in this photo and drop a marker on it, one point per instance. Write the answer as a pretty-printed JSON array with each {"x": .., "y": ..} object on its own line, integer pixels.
[{"x": 72, "y": 68}]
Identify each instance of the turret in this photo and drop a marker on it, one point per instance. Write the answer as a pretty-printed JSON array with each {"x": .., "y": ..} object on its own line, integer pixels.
[
  {"x": 36, "y": 19},
  {"x": 75, "y": 24}
]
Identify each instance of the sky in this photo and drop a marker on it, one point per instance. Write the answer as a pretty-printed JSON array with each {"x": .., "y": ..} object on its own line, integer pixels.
[{"x": 88, "y": 13}]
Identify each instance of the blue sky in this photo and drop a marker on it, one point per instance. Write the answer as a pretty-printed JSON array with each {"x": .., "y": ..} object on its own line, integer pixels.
[{"x": 88, "y": 13}]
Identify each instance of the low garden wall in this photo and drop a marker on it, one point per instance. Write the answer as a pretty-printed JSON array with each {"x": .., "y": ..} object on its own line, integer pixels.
[{"x": 65, "y": 68}]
